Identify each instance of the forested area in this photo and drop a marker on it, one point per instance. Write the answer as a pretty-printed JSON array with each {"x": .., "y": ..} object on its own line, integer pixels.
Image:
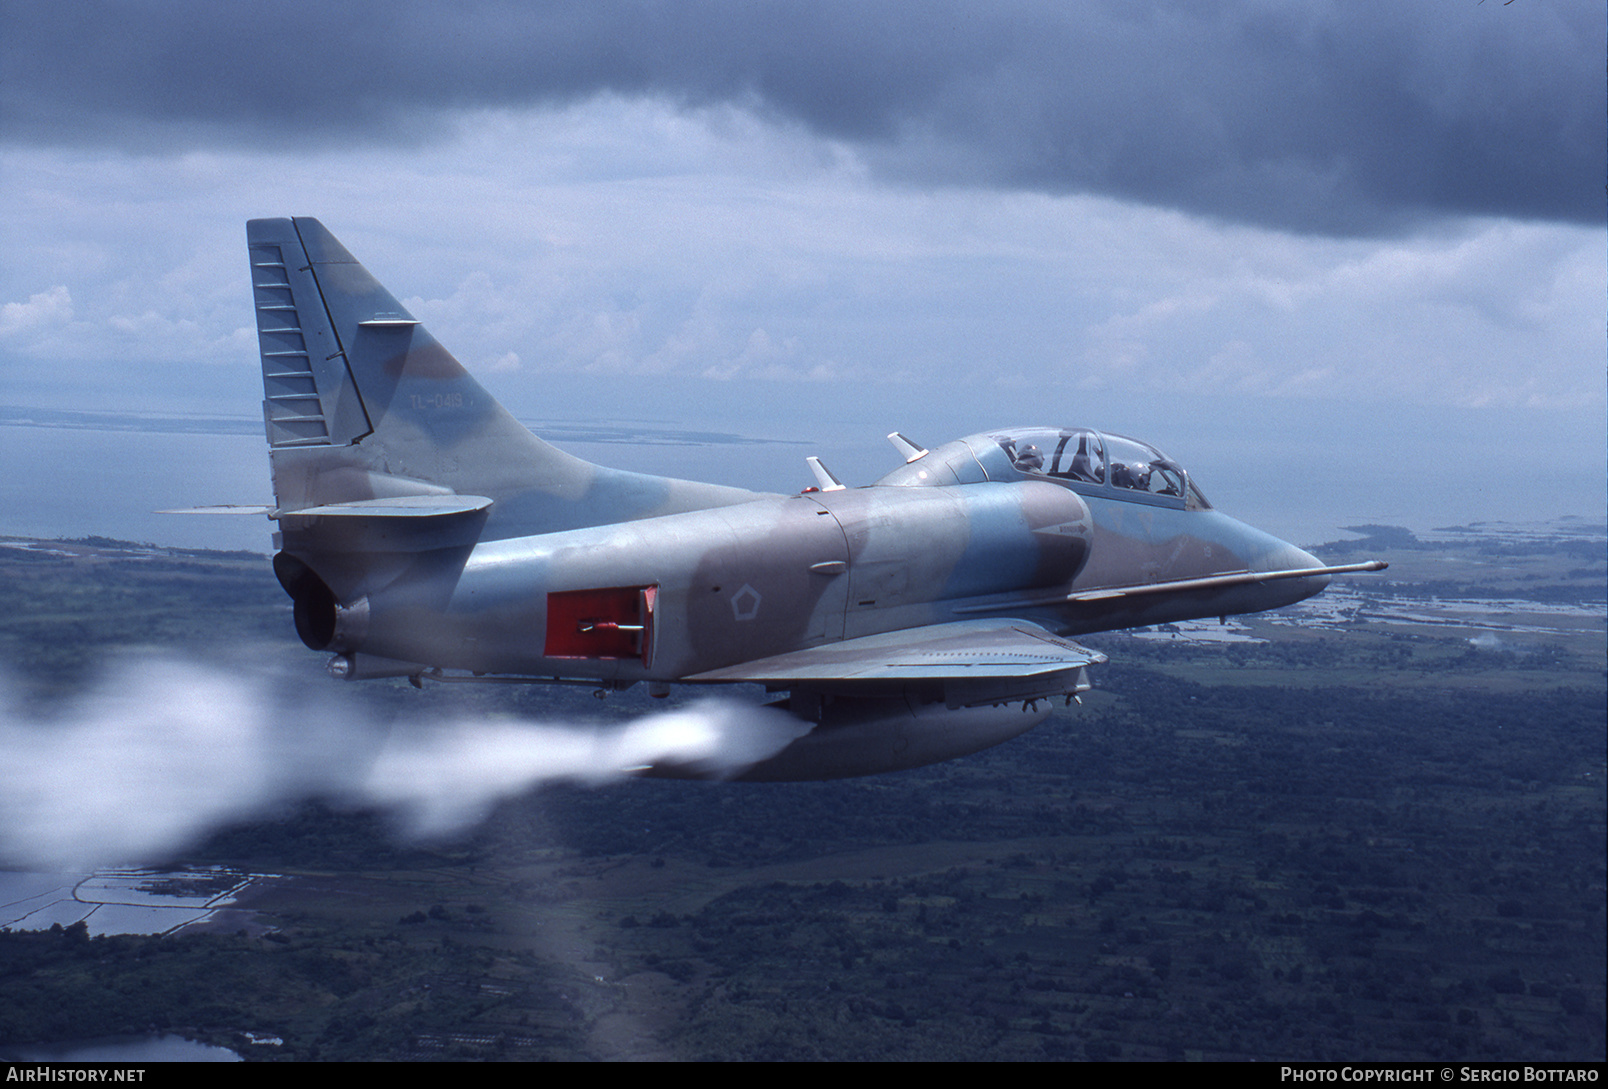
[{"x": 1366, "y": 844}]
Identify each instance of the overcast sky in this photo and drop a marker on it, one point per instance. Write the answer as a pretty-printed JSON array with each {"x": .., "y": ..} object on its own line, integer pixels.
[{"x": 1293, "y": 243}]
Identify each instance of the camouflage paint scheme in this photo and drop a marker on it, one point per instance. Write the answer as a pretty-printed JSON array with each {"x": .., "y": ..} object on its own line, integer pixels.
[{"x": 424, "y": 532}]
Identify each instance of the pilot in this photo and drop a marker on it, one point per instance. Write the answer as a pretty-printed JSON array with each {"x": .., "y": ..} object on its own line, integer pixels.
[
  {"x": 1136, "y": 477},
  {"x": 1030, "y": 459}
]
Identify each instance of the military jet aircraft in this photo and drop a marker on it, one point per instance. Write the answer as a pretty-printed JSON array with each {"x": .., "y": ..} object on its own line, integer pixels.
[{"x": 424, "y": 533}]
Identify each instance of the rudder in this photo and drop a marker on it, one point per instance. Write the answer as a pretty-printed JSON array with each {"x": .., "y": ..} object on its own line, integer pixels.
[{"x": 309, "y": 395}]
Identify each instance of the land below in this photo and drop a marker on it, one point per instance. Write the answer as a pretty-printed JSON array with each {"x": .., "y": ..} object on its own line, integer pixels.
[{"x": 1368, "y": 827}]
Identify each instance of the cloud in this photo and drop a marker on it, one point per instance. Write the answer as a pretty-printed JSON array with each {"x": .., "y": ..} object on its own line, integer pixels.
[
  {"x": 43, "y": 310},
  {"x": 665, "y": 275},
  {"x": 1341, "y": 119},
  {"x": 1498, "y": 314}
]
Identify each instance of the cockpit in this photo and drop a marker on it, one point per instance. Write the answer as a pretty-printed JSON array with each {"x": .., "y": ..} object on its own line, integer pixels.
[{"x": 1090, "y": 462}]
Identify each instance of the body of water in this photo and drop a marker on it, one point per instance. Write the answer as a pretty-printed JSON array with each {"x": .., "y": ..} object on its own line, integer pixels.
[{"x": 78, "y": 481}]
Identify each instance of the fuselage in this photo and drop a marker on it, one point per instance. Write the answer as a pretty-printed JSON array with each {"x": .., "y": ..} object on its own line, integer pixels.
[{"x": 969, "y": 530}]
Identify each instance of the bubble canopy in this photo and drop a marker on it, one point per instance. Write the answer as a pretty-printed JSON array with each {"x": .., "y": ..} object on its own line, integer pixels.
[{"x": 1085, "y": 460}]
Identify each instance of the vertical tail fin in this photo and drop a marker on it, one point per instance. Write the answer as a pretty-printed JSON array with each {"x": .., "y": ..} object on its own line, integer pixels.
[{"x": 360, "y": 402}]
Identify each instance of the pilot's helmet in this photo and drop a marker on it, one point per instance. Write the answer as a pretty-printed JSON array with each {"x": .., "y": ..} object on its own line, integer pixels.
[
  {"x": 1030, "y": 458},
  {"x": 1124, "y": 475}
]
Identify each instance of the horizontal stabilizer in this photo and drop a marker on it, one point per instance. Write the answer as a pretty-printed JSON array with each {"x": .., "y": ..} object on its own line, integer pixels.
[
  {"x": 401, "y": 506},
  {"x": 220, "y": 508},
  {"x": 403, "y": 523}
]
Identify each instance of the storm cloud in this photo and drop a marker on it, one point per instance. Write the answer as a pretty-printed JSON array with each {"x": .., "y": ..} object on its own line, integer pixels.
[{"x": 1323, "y": 118}]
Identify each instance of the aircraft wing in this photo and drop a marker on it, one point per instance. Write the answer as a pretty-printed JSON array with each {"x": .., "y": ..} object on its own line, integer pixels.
[
  {"x": 975, "y": 662},
  {"x": 1223, "y": 581}
]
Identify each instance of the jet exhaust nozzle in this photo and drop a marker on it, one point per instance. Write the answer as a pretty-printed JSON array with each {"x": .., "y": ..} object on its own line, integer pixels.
[{"x": 322, "y": 622}]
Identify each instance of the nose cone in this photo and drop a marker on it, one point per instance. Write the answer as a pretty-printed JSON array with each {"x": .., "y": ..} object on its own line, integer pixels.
[{"x": 1286, "y": 557}]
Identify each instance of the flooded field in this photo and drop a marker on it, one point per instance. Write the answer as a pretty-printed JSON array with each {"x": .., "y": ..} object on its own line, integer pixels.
[{"x": 126, "y": 901}]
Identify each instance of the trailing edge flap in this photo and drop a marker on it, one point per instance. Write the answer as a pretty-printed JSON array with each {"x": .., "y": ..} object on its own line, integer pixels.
[{"x": 976, "y": 661}]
